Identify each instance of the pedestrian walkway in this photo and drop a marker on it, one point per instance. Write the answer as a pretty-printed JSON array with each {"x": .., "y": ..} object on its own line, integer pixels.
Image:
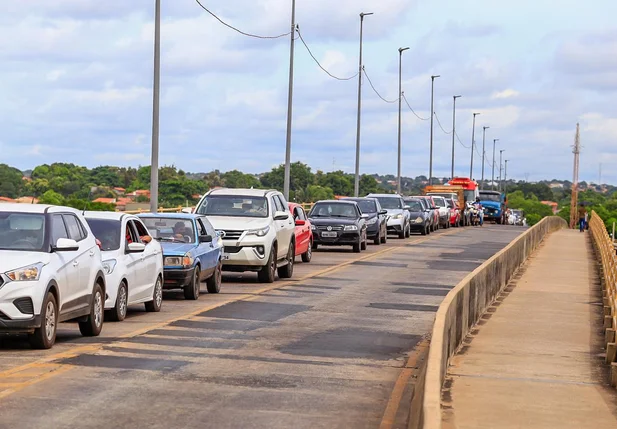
[{"x": 537, "y": 362}]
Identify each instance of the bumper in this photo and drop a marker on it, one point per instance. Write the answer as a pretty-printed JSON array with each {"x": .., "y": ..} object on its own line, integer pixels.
[
  {"x": 175, "y": 278},
  {"x": 372, "y": 231},
  {"x": 250, "y": 254},
  {"x": 415, "y": 227},
  {"x": 342, "y": 239},
  {"x": 14, "y": 291},
  {"x": 19, "y": 326},
  {"x": 113, "y": 283}
]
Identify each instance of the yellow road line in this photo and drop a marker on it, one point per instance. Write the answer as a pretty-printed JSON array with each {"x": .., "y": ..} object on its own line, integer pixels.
[{"x": 43, "y": 363}]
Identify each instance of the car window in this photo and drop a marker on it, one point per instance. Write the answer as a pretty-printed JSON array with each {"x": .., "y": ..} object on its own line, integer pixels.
[
  {"x": 74, "y": 229},
  {"x": 278, "y": 204},
  {"x": 130, "y": 233},
  {"x": 201, "y": 228},
  {"x": 299, "y": 213},
  {"x": 283, "y": 201},
  {"x": 107, "y": 231},
  {"x": 140, "y": 228},
  {"x": 170, "y": 228},
  {"x": 58, "y": 229}
]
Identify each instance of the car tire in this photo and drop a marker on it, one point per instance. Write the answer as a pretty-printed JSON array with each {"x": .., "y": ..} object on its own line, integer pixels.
[
  {"x": 155, "y": 305},
  {"x": 94, "y": 324},
  {"x": 402, "y": 233},
  {"x": 268, "y": 271},
  {"x": 364, "y": 244},
  {"x": 287, "y": 271},
  {"x": 118, "y": 313},
  {"x": 191, "y": 292},
  {"x": 45, "y": 336},
  {"x": 315, "y": 246},
  {"x": 308, "y": 255},
  {"x": 424, "y": 231},
  {"x": 408, "y": 231},
  {"x": 214, "y": 281},
  {"x": 357, "y": 248}
]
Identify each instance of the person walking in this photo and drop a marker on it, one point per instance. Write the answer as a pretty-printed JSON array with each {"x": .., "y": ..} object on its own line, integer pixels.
[{"x": 582, "y": 217}]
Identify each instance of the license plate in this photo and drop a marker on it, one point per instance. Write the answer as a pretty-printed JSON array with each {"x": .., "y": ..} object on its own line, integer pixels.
[
  {"x": 225, "y": 257},
  {"x": 328, "y": 234}
]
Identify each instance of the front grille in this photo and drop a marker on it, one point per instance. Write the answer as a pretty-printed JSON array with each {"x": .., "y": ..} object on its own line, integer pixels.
[
  {"x": 4, "y": 316},
  {"x": 24, "y": 305},
  {"x": 325, "y": 228},
  {"x": 233, "y": 234},
  {"x": 232, "y": 249}
]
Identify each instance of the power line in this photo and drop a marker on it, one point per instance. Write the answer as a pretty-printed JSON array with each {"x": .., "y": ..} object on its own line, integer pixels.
[
  {"x": 375, "y": 90},
  {"x": 413, "y": 111},
  {"x": 238, "y": 30},
  {"x": 459, "y": 140},
  {"x": 317, "y": 62},
  {"x": 440, "y": 126}
]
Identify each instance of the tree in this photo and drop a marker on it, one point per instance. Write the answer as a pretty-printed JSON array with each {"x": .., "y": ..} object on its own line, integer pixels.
[
  {"x": 316, "y": 193},
  {"x": 368, "y": 185},
  {"x": 11, "y": 181},
  {"x": 338, "y": 181},
  {"x": 51, "y": 197},
  {"x": 300, "y": 177},
  {"x": 237, "y": 179}
]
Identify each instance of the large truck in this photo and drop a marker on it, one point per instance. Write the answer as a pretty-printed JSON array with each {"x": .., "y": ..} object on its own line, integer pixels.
[
  {"x": 470, "y": 188},
  {"x": 456, "y": 192},
  {"x": 494, "y": 204}
]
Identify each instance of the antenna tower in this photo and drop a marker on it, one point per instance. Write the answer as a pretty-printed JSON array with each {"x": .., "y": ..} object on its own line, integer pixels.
[{"x": 576, "y": 151}]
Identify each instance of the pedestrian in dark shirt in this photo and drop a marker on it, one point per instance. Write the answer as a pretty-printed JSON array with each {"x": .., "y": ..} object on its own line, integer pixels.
[{"x": 582, "y": 216}]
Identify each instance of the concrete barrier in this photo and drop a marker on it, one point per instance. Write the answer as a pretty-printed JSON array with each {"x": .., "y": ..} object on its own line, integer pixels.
[{"x": 464, "y": 306}]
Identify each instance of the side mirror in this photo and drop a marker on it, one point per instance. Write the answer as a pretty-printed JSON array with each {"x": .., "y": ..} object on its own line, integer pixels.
[
  {"x": 364, "y": 215},
  {"x": 135, "y": 248},
  {"x": 281, "y": 216},
  {"x": 300, "y": 222},
  {"x": 65, "y": 245},
  {"x": 187, "y": 210},
  {"x": 205, "y": 239},
  {"x": 383, "y": 212}
]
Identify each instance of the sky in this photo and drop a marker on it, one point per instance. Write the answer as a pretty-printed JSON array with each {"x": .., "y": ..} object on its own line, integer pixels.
[{"x": 76, "y": 82}]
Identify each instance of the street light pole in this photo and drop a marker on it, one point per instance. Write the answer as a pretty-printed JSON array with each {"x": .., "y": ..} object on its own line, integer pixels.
[
  {"x": 154, "y": 162},
  {"x": 287, "y": 177},
  {"x": 473, "y": 142},
  {"x": 453, "y": 130},
  {"x": 505, "y": 178},
  {"x": 400, "y": 96},
  {"x": 483, "y": 154},
  {"x": 356, "y": 186},
  {"x": 430, "y": 166},
  {"x": 493, "y": 174},
  {"x": 500, "y": 167}
]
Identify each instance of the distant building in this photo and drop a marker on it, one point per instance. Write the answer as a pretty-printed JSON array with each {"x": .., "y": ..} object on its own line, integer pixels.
[
  {"x": 119, "y": 191},
  {"x": 27, "y": 200},
  {"x": 7, "y": 200},
  {"x": 556, "y": 185},
  {"x": 553, "y": 205},
  {"x": 105, "y": 200}
]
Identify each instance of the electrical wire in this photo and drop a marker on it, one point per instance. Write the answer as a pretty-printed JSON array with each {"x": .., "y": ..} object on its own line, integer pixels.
[
  {"x": 318, "y": 63},
  {"x": 440, "y": 126},
  {"x": 459, "y": 140},
  {"x": 413, "y": 111},
  {"x": 238, "y": 30},
  {"x": 375, "y": 90}
]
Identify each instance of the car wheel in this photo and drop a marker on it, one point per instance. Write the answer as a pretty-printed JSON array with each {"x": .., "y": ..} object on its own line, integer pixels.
[
  {"x": 94, "y": 324},
  {"x": 287, "y": 271},
  {"x": 268, "y": 272},
  {"x": 118, "y": 313},
  {"x": 308, "y": 255},
  {"x": 45, "y": 336},
  {"x": 315, "y": 246},
  {"x": 424, "y": 231},
  {"x": 402, "y": 233},
  {"x": 357, "y": 247},
  {"x": 155, "y": 305},
  {"x": 408, "y": 231},
  {"x": 377, "y": 240},
  {"x": 364, "y": 244},
  {"x": 214, "y": 282},
  {"x": 191, "y": 291},
  {"x": 384, "y": 236}
]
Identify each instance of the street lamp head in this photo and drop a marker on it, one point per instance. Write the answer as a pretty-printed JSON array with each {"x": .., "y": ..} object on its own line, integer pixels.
[
  {"x": 402, "y": 49},
  {"x": 495, "y": 140},
  {"x": 486, "y": 128},
  {"x": 435, "y": 76},
  {"x": 476, "y": 114},
  {"x": 362, "y": 15},
  {"x": 457, "y": 96}
]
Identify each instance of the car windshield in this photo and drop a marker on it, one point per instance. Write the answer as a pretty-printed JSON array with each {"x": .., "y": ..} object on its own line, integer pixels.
[
  {"x": 414, "y": 206},
  {"x": 334, "y": 210},
  {"x": 22, "y": 231},
  {"x": 170, "y": 229},
  {"x": 490, "y": 197},
  {"x": 470, "y": 195},
  {"x": 107, "y": 231},
  {"x": 390, "y": 203},
  {"x": 439, "y": 202},
  {"x": 367, "y": 206},
  {"x": 234, "y": 205}
]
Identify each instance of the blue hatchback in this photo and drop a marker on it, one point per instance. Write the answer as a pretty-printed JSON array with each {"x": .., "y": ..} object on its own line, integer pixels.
[{"x": 192, "y": 251}]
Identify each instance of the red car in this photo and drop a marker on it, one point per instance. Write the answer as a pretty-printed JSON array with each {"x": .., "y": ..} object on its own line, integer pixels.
[
  {"x": 304, "y": 233},
  {"x": 455, "y": 213}
]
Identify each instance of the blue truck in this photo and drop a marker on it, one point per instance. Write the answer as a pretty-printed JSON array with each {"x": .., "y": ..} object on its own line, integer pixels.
[{"x": 494, "y": 204}]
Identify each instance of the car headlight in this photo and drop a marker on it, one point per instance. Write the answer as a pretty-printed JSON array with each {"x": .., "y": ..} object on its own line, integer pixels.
[
  {"x": 26, "y": 274},
  {"x": 419, "y": 220},
  {"x": 397, "y": 216},
  {"x": 371, "y": 221},
  {"x": 109, "y": 265},
  {"x": 351, "y": 228},
  {"x": 313, "y": 228},
  {"x": 173, "y": 261},
  {"x": 261, "y": 232}
]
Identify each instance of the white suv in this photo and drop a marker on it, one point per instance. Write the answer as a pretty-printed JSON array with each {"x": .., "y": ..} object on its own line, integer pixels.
[
  {"x": 258, "y": 230},
  {"x": 50, "y": 272},
  {"x": 398, "y": 213}
]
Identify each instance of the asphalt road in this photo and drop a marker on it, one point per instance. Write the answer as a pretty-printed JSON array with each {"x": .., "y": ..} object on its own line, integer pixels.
[{"x": 331, "y": 348}]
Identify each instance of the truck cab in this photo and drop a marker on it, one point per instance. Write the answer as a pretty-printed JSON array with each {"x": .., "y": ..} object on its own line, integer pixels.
[{"x": 494, "y": 205}]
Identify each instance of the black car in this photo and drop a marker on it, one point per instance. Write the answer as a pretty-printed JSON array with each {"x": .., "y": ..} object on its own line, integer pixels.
[
  {"x": 377, "y": 220},
  {"x": 338, "y": 223},
  {"x": 420, "y": 219},
  {"x": 428, "y": 210}
]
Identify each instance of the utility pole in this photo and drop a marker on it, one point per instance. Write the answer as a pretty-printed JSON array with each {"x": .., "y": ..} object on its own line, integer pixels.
[
  {"x": 600, "y": 177},
  {"x": 493, "y": 173},
  {"x": 574, "y": 199},
  {"x": 356, "y": 186},
  {"x": 505, "y": 177},
  {"x": 154, "y": 162},
  {"x": 430, "y": 165},
  {"x": 473, "y": 142},
  {"x": 400, "y": 97},
  {"x": 500, "y": 167},
  {"x": 453, "y": 131},
  {"x": 290, "y": 95},
  {"x": 483, "y": 154}
]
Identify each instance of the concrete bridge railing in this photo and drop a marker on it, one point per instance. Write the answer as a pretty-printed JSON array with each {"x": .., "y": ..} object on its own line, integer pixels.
[
  {"x": 607, "y": 259},
  {"x": 463, "y": 307}
]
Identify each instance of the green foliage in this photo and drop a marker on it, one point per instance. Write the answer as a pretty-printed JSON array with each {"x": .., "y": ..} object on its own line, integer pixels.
[
  {"x": 534, "y": 210},
  {"x": 316, "y": 193},
  {"x": 52, "y": 197},
  {"x": 237, "y": 179},
  {"x": 11, "y": 181}
]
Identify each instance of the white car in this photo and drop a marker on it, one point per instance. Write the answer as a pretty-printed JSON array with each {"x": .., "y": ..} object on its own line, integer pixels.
[
  {"x": 133, "y": 266},
  {"x": 50, "y": 272},
  {"x": 259, "y": 230},
  {"x": 398, "y": 213},
  {"x": 444, "y": 211}
]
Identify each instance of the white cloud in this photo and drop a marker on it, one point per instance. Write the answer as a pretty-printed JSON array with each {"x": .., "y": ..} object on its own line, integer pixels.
[{"x": 506, "y": 93}]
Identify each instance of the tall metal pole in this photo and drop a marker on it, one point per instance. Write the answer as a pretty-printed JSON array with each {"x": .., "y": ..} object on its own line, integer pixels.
[
  {"x": 500, "y": 167},
  {"x": 473, "y": 143},
  {"x": 505, "y": 178},
  {"x": 493, "y": 173},
  {"x": 483, "y": 154},
  {"x": 430, "y": 165},
  {"x": 400, "y": 97},
  {"x": 453, "y": 131},
  {"x": 290, "y": 103},
  {"x": 356, "y": 186},
  {"x": 154, "y": 162}
]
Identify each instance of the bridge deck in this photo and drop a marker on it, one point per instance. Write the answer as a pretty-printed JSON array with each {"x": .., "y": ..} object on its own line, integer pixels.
[{"x": 536, "y": 361}]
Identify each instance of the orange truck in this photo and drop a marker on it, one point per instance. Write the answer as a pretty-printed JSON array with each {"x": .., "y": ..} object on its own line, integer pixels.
[{"x": 447, "y": 191}]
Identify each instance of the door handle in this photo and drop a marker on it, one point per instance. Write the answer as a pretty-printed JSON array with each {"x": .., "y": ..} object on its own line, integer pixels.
[
  {"x": 92, "y": 253},
  {"x": 75, "y": 263}
]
